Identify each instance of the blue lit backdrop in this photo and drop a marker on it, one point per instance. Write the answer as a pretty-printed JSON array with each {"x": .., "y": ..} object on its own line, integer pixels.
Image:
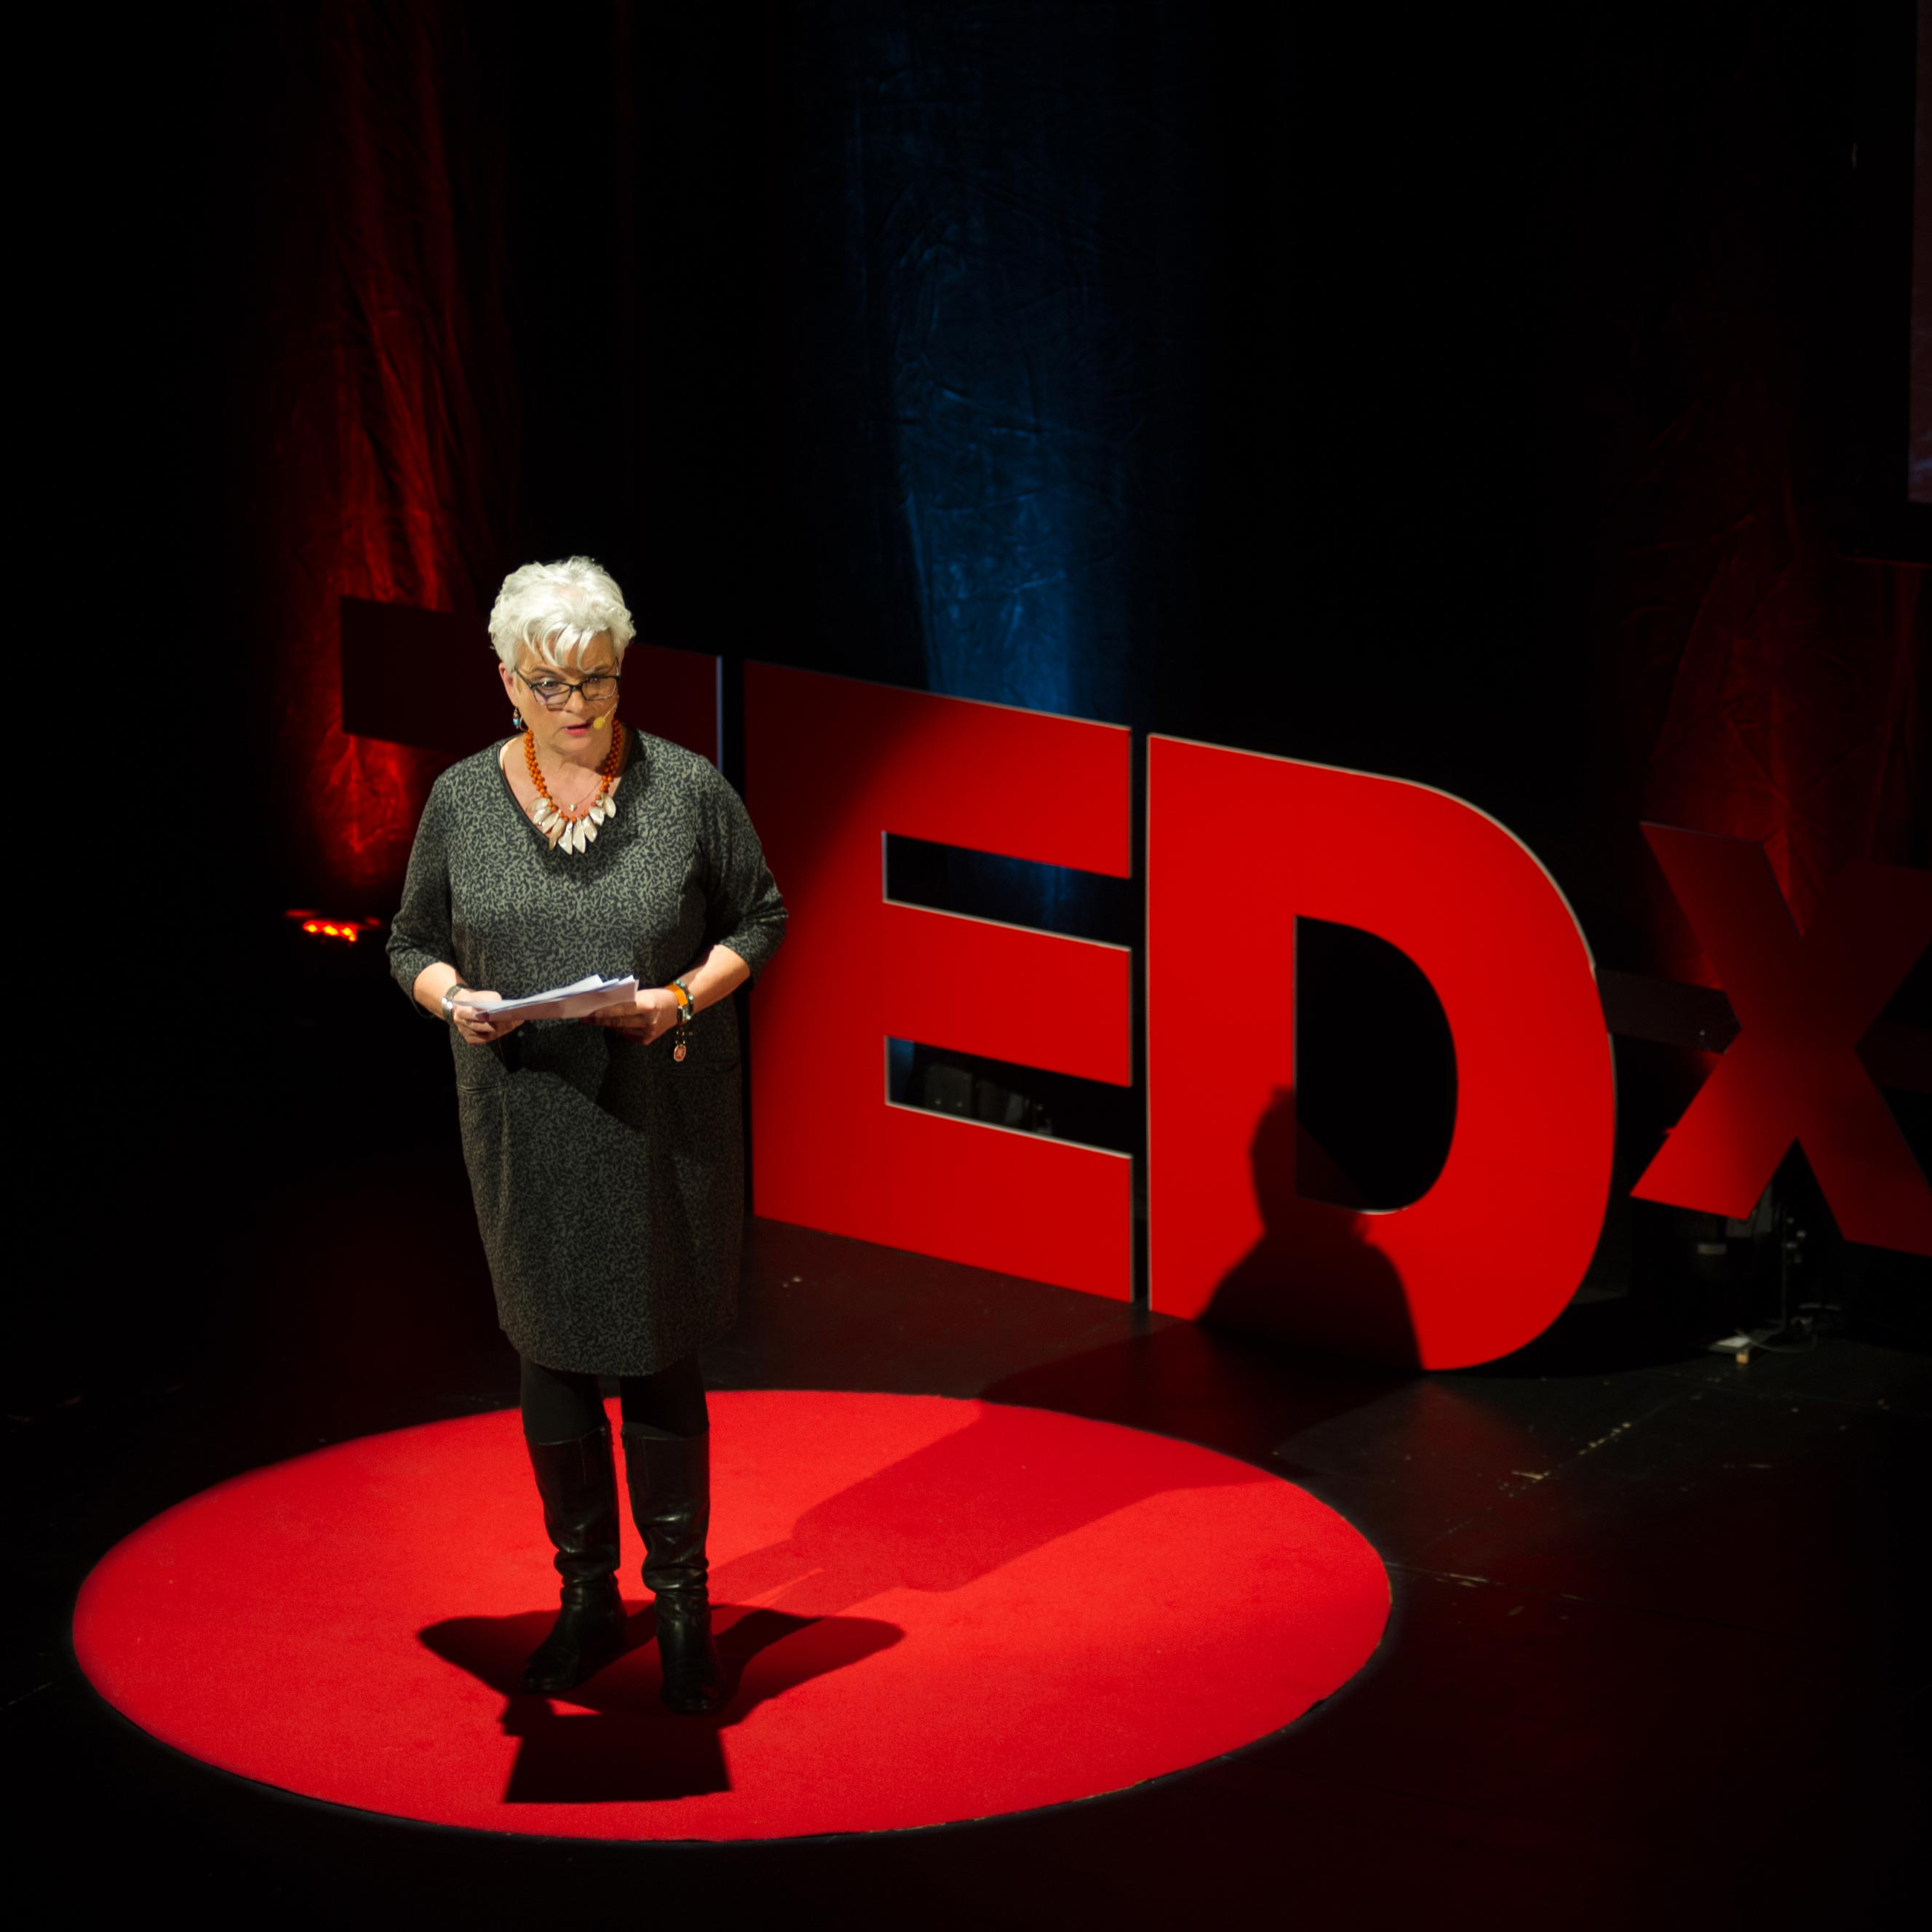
[{"x": 1002, "y": 297}]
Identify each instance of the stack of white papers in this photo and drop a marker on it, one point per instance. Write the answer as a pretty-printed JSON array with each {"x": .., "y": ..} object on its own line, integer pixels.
[{"x": 572, "y": 1002}]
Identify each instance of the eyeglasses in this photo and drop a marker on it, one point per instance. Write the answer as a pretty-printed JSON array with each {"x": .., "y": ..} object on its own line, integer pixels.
[{"x": 554, "y": 692}]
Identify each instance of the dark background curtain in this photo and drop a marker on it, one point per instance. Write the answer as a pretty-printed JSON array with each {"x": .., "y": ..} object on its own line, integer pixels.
[
  {"x": 1428, "y": 401},
  {"x": 1451, "y": 397}
]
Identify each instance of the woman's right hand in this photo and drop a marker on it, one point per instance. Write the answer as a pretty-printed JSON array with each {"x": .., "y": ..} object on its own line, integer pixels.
[
  {"x": 470, "y": 1011},
  {"x": 652, "y": 1013}
]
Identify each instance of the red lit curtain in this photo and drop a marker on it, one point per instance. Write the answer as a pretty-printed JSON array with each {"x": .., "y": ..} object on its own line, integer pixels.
[
  {"x": 384, "y": 428},
  {"x": 1770, "y": 685},
  {"x": 1764, "y": 685}
]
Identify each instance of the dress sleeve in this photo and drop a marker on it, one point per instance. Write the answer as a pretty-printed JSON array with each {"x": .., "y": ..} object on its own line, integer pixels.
[
  {"x": 419, "y": 934},
  {"x": 742, "y": 908}
]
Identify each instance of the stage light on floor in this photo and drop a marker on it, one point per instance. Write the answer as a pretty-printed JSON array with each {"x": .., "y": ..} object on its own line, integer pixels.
[
  {"x": 1032, "y": 1607},
  {"x": 318, "y": 927}
]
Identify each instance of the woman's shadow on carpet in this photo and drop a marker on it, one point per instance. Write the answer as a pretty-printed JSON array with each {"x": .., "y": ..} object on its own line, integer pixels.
[
  {"x": 937, "y": 1519},
  {"x": 620, "y": 1745}
]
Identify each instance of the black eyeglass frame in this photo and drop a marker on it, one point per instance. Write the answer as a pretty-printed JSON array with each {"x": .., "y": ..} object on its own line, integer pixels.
[{"x": 558, "y": 703}]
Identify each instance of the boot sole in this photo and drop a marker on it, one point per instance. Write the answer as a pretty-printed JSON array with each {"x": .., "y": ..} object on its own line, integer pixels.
[{"x": 685, "y": 1708}]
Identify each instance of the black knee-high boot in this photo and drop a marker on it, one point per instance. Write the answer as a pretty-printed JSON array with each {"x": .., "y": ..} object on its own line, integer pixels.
[
  {"x": 578, "y": 1483},
  {"x": 669, "y": 1481}
]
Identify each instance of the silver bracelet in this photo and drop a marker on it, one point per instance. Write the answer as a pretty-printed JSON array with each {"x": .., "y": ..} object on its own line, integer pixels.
[{"x": 449, "y": 1000}]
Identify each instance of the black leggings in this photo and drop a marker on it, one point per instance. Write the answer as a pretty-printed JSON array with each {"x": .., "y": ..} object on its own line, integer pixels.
[{"x": 560, "y": 1405}]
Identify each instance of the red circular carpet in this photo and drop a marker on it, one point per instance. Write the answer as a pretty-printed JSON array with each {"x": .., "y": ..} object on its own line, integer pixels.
[{"x": 941, "y": 1609}]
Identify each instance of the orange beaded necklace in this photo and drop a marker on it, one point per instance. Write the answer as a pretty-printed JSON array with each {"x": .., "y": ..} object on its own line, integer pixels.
[{"x": 574, "y": 829}]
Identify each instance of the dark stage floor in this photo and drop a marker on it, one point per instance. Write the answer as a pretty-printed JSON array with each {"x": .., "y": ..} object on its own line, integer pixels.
[{"x": 1652, "y": 1656}]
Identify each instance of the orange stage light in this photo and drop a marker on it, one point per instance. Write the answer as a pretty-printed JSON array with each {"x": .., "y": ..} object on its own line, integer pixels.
[{"x": 350, "y": 929}]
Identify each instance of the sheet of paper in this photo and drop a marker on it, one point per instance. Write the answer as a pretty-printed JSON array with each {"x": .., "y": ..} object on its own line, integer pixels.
[{"x": 572, "y": 1002}]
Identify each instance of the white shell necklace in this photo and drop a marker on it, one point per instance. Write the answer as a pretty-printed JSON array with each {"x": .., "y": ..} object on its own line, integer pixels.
[{"x": 571, "y": 830}]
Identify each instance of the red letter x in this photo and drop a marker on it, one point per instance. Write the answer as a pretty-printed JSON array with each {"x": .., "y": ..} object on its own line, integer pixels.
[{"x": 1793, "y": 1071}]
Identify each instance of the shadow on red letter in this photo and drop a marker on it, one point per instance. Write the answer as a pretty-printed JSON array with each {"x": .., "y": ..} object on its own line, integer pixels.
[
  {"x": 1239, "y": 846},
  {"x": 833, "y": 764}
]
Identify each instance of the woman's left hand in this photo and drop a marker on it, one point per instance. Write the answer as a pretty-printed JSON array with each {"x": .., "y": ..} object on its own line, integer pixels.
[{"x": 653, "y": 1013}]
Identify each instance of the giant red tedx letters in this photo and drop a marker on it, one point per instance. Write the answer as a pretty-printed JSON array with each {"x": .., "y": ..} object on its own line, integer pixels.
[
  {"x": 833, "y": 764},
  {"x": 1239, "y": 846},
  {"x": 1793, "y": 1071}
]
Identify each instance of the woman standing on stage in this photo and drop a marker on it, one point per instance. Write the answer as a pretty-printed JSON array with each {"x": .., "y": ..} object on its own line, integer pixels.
[{"x": 604, "y": 1156}]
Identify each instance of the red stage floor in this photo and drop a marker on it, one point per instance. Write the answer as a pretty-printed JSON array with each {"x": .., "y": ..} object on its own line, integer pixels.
[{"x": 942, "y": 1609}]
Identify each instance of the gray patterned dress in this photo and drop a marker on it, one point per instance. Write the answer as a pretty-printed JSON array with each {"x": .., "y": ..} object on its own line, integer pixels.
[{"x": 608, "y": 1178}]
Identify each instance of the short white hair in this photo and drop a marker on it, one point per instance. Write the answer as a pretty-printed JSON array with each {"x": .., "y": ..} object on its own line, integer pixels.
[{"x": 556, "y": 609}]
